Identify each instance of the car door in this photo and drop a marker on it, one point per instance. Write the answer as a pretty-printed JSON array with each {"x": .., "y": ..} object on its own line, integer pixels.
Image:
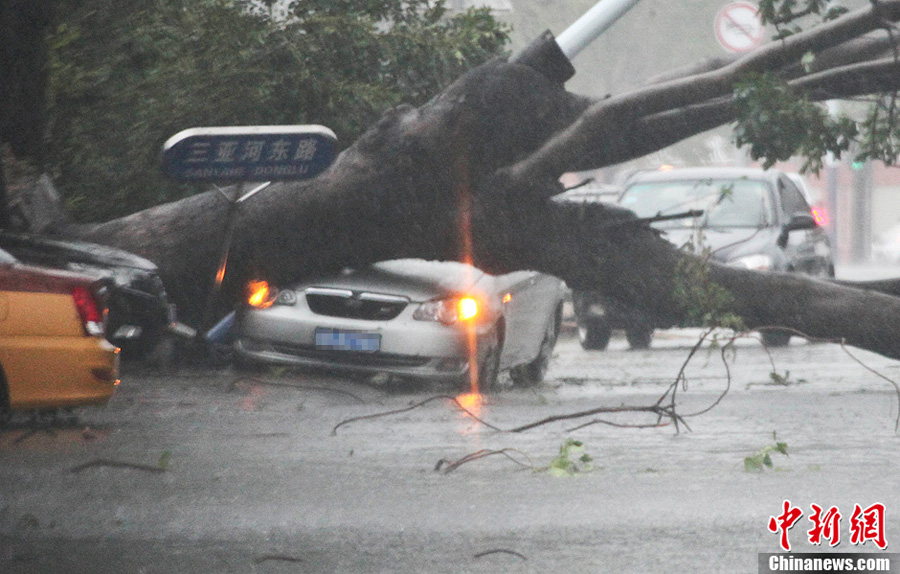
[
  {"x": 514, "y": 290},
  {"x": 529, "y": 298},
  {"x": 807, "y": 250}
]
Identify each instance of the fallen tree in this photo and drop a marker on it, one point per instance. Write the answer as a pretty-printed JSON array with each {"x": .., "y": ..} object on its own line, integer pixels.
[{"x": 469, "y": 176}]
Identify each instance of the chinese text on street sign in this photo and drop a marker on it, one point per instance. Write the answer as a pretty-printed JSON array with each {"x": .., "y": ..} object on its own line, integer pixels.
[{"x": 249, "y": 153}]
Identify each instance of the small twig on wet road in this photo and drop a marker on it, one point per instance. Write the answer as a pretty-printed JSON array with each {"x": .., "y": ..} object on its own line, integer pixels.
[
  {"x": 277, "y": 558},
  {"x": 501, "y": 551},
  {"x": 617, "y": 425},
  {"x": 48, "y": 422},
  {"x": 484, "y": 453},
  {"x": 268, "y": 383},
  {"x": 682, "y": 378},
  {"x": 412, "y": 407},
  {"x": 877, "y": 374},
  {"x": 661, "y": 412},
  {"x": 102, "y": 462},
  {"x": 843, "y": 344},
  {"x": 30, "y": 433}
]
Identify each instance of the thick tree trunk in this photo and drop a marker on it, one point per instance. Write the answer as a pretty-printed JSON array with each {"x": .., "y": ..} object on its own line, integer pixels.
[
  {"x": 401, "y": 190},
  {"x": 469, "y": 176}
]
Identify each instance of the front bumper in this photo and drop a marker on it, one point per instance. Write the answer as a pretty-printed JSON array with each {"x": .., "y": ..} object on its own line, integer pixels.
[
  {"x": 435, "y": 368},
  {"x": 55, "y": 372},
  {"x": 408, "y": 347}
]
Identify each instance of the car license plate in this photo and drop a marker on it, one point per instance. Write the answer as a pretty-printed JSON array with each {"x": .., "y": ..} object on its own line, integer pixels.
[{"x": 337, "y": 340}]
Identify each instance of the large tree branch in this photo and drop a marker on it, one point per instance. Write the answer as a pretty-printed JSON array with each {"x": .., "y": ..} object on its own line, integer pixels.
[{"x": 607, "y": 120}]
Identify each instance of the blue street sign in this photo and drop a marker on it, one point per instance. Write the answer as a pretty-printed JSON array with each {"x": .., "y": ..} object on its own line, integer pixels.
[{"x": 249, "y": 153}]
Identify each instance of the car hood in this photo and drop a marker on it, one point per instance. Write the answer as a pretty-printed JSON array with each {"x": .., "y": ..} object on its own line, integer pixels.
[
  {"x": 32, "y": 248},
  {"x": 416, "y": 279},
  {"x": 725, "y": 243}
]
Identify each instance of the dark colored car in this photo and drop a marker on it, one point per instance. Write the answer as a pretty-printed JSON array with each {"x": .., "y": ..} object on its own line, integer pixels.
[
  {"x": 435, "y": 320},
  {"x": 753, "y": 218},
  {"x": 139, "y": 310}
]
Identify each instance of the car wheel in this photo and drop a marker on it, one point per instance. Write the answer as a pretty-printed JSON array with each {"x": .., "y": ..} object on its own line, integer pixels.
[
  {"x": 775, "y": 338},
  {"x": 594, "y": 335},
  {"x": 488, "y": 365},
  {"x": 639, "y": 337},
  {"x": 533, "y": 373}
]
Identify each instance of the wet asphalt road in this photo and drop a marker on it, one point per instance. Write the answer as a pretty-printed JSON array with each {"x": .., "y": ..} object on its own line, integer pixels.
[{"x": 209, "y": 471}]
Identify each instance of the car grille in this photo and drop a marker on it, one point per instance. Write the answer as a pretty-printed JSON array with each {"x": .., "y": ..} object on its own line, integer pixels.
[{"x": 350, "y": 305}]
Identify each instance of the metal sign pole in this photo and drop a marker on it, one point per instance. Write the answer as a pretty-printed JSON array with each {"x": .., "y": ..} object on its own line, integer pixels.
[{"x": 230, "y": 224}]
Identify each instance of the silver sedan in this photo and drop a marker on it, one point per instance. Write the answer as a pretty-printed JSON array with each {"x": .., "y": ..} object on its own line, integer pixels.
[{"x": 434, "y": 320}]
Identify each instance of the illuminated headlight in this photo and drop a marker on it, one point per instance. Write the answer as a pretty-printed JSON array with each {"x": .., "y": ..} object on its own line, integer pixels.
[
  {"x": 260, "y": 295},
  {"x": 758, "y": 262},
  {"x": 448, "y": 311}
]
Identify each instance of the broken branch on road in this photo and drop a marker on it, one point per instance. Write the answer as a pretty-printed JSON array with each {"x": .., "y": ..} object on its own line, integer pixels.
[
  {"x": 447, "y": 466},
  {"x": 102, "y": 462}
]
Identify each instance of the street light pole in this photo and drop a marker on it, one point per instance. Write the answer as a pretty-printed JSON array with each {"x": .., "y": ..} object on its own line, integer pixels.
[
  {"x": 593, "y": 23},
  {"x": 552, "y": 56}
]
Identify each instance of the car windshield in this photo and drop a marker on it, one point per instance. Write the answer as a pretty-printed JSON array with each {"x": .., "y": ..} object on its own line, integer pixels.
[{"x": 725, "y": 202}]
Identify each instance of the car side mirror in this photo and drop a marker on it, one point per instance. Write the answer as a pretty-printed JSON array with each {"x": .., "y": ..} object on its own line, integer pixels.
[{"x": 797, "y": 222}]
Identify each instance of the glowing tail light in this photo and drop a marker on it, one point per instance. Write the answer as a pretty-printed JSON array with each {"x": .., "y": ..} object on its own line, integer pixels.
[
  {"x": 820, "y": 215},
  {"x": 89, "y": 310}
]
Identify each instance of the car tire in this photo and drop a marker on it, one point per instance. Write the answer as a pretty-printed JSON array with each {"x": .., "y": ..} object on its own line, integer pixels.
[
  {"x": 639, "y": 337},
  {"x": 594, "y": 335},
  {"x": 488, "y": 365},
  {"x": 533, "y": 373},
  {"x": 776, "y": 338}
]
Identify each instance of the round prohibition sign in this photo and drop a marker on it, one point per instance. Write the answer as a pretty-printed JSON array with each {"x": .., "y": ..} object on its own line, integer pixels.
[{"x": 738, "y": 27}]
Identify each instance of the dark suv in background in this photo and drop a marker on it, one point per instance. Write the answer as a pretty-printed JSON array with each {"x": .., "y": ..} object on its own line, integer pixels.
[{"x": 752, "y": 218}]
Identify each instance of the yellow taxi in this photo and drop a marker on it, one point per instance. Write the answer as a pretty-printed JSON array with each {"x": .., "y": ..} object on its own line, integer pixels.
[{"x": 52, "y": 348}]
